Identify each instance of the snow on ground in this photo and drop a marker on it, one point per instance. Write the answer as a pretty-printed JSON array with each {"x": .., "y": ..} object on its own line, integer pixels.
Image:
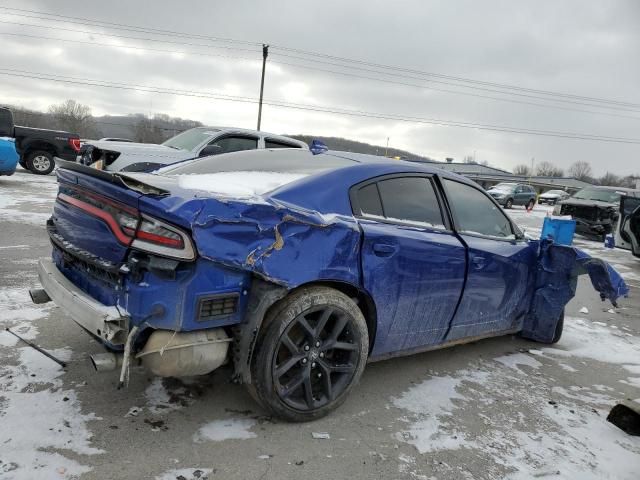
[
  {"x": 13, "y": 195},
  {"x": 561, "y": 431},
  {"x": 229, "y": 429},
  {"x": 40, "y": 420}
]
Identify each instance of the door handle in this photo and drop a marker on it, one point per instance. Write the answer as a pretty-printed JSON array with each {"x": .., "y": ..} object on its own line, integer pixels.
[{"x": 384, "y": 249}]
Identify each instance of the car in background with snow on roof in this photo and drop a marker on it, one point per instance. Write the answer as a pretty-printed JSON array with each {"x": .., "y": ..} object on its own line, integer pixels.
[
  {"x": 551, "y": 197},
  {"x": 297, "y": 269},
  {"x": 197, "y": 142}
]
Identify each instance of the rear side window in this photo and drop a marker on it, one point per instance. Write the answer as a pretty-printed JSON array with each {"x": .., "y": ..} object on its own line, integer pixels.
[
  {"x": 269, "y": 143},
  {"x": 475, "y": 213},
  {"x": 404, "y": 199}
]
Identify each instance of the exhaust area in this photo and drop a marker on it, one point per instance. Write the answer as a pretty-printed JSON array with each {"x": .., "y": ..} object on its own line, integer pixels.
[
  {"x": 106, "y": 362},
  {"x": 39, "y": 296},
  {"x": 185, "y": 354}
]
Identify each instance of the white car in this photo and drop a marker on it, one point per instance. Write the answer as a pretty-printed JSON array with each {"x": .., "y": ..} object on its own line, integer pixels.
[{"x": 552, "y": 197}]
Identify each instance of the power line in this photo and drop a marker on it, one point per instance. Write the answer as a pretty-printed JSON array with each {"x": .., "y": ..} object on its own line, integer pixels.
[
  {"x": 322, "y": 109},
  {"x": 132, "y": 47},
  {"x": 71, "y": 19},
  {"x": 120, "y": 26},
  {"x": 128, "y": 37},
  {"x": 308, "y": 67}
]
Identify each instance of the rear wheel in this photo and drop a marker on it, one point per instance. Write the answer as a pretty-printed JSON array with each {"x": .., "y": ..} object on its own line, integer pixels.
[
  {"x": 40, "y": 162},
  {"x": 310, "y": 354},
  {"x": 508, "y": 203}
]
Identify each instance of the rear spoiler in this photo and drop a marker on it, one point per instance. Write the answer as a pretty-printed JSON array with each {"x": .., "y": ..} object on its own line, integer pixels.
[{"x": 118, "y": 178}]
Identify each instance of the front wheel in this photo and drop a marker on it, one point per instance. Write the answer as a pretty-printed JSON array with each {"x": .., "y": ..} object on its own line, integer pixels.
[
  {"x": 508, "y": 203},
  {"x": 40, "y": 162},
  {"x": 311, "y": 353}
]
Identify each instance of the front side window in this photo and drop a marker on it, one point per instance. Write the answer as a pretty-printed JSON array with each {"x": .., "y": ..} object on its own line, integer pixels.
[
  {"x": 475, "y": 213},
  {"x": 409, "y": 200},
  {"x": 235, "y": 144}
]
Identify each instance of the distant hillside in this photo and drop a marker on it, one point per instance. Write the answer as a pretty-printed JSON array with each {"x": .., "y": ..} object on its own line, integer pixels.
[{"x": 346, "y": 145}]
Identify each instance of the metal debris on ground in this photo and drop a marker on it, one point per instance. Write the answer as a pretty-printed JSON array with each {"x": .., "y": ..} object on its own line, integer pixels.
[
  {"x": 320, "y": 435},
  {"x": 584, "y": 310},
  {"x": 33, "y": 345}
]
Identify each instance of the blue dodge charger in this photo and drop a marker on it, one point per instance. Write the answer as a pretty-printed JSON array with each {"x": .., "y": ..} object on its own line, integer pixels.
[{"x": 296, "y": 269}]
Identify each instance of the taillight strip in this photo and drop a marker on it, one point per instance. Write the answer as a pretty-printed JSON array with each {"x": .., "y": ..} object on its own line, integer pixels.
[{"x": 101, "y": 214}]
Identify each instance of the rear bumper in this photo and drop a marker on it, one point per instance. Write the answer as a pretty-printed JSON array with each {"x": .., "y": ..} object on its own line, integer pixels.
[{"x": 100, "y": 320}]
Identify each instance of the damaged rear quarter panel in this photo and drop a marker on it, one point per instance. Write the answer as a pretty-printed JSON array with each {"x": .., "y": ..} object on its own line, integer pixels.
[{"x": 281, "y": 243}]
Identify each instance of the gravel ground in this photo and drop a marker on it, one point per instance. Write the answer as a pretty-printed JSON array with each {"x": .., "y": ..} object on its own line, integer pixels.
[{"x": 499, "y": 408}]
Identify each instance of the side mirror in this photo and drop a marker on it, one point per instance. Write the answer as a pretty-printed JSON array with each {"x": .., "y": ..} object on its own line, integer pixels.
[
  {"x": 212, "y": 149},
  {"x": 6, "y": 122}
]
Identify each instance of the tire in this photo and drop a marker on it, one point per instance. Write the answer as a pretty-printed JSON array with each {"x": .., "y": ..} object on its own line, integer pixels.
[
  {"x": 509, "y": 203},
  {"x": 22, "y": 163},
  {"x": 531, "y": 204},
  {"x": 557, "y": 335},
  {"x": 296, "y": 340},
  {"x": 40, "y": 162}
]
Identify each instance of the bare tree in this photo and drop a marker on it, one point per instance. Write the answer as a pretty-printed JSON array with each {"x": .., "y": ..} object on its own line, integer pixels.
[
  {"x": 148, "y": 131},
  {"x": 547, "y": 169},
  {"x": 581, "y": 170},
  {"x": 73, "y": 117},
  {"x": 470, "y": 159},
  {"x": 522, "y": 170},
  {"x": 609, "y": 179}
]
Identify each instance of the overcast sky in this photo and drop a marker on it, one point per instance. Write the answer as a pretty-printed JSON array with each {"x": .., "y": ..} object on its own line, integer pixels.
[{"x": 582, "y": 48}]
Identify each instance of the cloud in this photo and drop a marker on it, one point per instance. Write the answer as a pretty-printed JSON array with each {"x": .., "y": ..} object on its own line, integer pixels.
[{"x": 581, "y": 48}]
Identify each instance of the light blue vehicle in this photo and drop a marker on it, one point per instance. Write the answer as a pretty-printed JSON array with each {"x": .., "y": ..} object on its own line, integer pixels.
[{"x": 8, "y": 156}]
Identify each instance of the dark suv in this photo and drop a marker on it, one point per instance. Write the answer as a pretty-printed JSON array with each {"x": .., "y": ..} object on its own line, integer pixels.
[{"x": 510, "y": 194}]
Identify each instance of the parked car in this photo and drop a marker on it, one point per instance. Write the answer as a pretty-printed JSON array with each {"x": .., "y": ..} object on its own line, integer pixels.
[
  {"x": 510, "y": 194},
  {"x": 551, "y": 197},
  {"x": 193, "y": 143},
  {"x": 595, "y": 209},
  {"x": 8, "y": 156},
  {"x": 296, "y": 269},
  {"x": 37, "y": 147},
  {"x": 627, "y": 235}
]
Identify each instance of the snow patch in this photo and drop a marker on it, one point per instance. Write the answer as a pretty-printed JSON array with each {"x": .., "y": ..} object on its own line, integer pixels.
[
  {"x": 230, "y": 429},
  {"x": 38, "y": 415},
  {"x": 238, "y": 184}
]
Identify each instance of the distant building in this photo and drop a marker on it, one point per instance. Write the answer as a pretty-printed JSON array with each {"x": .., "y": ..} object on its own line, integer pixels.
[{"x": 489, "y": 176}]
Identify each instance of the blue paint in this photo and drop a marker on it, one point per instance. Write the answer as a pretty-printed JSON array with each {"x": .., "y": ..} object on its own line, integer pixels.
[
  {"x": 8, "y": 156},
  {"x": 428, "y": 286}
]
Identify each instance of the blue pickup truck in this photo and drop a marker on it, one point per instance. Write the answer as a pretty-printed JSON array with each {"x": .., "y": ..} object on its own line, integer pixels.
[{"x": 8, "y": 156}]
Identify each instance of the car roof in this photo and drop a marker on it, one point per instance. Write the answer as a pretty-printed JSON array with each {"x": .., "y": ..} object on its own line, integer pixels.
[{"x": 248, "y": 131}]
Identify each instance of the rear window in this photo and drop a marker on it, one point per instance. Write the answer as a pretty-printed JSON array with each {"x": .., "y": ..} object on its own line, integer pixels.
[{"x": 285, "y": 161}]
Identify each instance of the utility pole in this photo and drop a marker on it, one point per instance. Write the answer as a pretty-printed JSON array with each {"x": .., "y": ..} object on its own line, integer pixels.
[
  {"x": 265, "y": 52},
  {"x": 386, "y": 150}
]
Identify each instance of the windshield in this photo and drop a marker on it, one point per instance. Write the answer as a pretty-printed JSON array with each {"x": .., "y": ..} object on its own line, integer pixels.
[
  {"x": 505, "y": 187},
  {"x": 190, "y": 139},
  {"x": 609, "y": 196}
]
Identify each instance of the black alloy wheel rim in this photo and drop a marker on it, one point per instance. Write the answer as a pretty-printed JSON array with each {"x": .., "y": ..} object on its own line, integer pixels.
[{"x": 316, "y": 358}]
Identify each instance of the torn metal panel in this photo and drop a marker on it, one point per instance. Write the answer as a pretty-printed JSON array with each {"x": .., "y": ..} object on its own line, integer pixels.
[{"x": 557, "y": 271}]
